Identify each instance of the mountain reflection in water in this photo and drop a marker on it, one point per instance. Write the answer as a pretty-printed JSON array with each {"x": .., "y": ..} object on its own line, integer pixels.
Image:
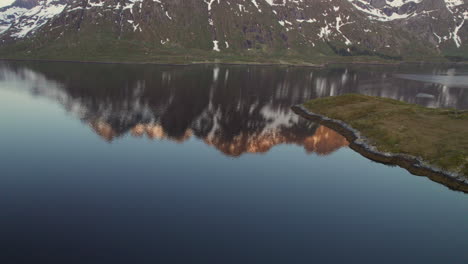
[
  {"x": 237, "y": 109},
  {"x": 323, "y": 141}
]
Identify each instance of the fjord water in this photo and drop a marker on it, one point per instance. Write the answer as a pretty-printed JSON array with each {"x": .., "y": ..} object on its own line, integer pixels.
[{"x": 104, "y": 163}]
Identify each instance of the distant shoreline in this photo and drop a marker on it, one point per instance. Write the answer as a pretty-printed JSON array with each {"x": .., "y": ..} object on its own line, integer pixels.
[
  {"x": 360, "y": 144},
  {"x": 322, "y": 65},
  {"x": 168, "y": 63}
]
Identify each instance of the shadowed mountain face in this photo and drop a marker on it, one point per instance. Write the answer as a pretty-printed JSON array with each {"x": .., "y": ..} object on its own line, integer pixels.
[{"x": 236, "y": 109}]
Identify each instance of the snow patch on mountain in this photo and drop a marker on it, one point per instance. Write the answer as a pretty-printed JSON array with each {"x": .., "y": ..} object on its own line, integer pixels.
[
  {"x": 400, "y": 3},
  {"x": 22, "y": 21},
  {"x": 381, "y": 14},
  {"x": 215, "y": 46},
  {"x": 36, "y": 17},
  {"x": 452, "y": 4},
  {"x": 9, "y": 15}
]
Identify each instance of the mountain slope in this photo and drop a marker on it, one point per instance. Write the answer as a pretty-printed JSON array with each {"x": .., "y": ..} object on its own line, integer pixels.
[{"x": 307, "y": 30}]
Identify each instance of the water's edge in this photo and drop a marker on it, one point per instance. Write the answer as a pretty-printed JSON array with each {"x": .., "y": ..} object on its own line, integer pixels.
[
  {"x": 359, "y": 143},
  {"x": 244, "y": 63}
]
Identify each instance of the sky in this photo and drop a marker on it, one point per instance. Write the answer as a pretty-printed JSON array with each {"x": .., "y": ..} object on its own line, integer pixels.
[{"x": 5, "y": 2}]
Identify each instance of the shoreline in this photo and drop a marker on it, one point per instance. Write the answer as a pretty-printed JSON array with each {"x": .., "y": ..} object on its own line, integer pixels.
[
  {"x": 412, "y": 164},
  {"x": 286, "y": 64},
  {"x": 173, "y": 64}
]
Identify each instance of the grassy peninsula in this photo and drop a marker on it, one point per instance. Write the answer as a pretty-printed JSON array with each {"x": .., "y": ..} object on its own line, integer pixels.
[{"x": 437, "y": 136}]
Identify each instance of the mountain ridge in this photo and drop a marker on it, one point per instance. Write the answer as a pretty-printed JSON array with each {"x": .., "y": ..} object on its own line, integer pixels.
[{"x": 234, "y": 30}]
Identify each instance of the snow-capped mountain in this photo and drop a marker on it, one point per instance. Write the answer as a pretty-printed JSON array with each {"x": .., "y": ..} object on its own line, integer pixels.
[
  {"x": 27, "y": 16},
  {"x": 299, "y": 29}
]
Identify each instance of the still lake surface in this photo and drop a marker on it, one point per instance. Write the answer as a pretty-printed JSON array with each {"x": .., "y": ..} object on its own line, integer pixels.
[{"x": 104, "y": 163}]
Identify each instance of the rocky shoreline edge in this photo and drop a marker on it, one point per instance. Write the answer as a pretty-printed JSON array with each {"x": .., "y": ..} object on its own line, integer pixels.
[{"x": 359, "y": 143}]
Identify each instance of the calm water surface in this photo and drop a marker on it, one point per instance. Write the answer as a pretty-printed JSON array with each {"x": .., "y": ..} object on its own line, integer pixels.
[{"x": 207, "y": 164}]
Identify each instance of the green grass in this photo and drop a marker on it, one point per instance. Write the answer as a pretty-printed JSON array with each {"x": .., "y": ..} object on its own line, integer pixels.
[
  {"x": 438, "y": 136},
  {"x": 103, "y": 47}
]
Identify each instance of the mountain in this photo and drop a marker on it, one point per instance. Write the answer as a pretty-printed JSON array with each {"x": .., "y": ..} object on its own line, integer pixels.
[{"x": 234, "y": 30}]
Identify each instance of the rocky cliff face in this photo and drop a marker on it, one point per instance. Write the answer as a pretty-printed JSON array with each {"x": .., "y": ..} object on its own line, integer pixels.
[{"x": 282, "y": 28}]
